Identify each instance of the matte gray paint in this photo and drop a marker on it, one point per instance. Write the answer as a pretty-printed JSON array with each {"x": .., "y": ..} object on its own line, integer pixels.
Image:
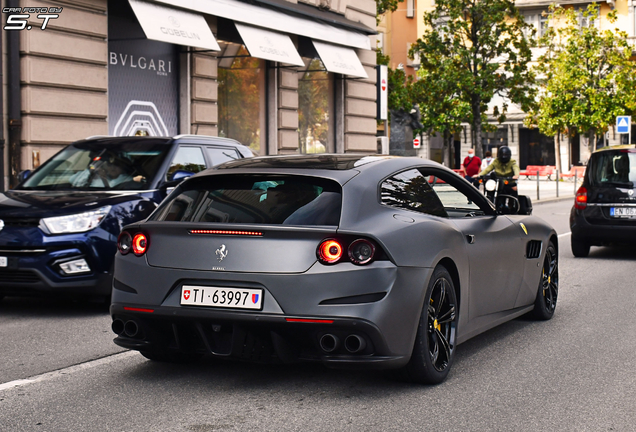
[{"x": 414, "y": 249}]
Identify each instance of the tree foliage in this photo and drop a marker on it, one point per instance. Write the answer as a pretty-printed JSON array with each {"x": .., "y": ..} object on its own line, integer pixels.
[
  {"x": 587, "y": 76},
  {"x": 473, "y": 51},
  {"x": 383, "y": 6}
]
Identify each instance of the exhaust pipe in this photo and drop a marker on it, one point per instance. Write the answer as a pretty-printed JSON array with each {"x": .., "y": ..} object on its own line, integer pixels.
[
  {"x": 354, "y": 343},
  {"x": 131, "y": 328},
  {"x": 117, "y": 326},
  {"x": 329, "y": 343}
]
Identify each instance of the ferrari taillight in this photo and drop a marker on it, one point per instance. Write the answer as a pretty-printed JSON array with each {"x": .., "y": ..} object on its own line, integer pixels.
[
  {"x": 580, "y": 201},
  {"x": 329, "y": 251},
  {"x": 124, "y": 242},
  {"x": 139, "y": 244},
  {"x": 361, "y": 251}
]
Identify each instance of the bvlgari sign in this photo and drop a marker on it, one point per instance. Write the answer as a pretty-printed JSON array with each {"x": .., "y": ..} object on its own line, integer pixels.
[
  {"x": 143, "y": 88},
  {"x": 161, "y": 66},
  {"x": 174, "y": 26}
]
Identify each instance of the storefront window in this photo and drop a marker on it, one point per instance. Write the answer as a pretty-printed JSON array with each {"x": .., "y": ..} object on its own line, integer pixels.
[
  {"x": 494, "y": 139},
  {"x": 315, "y": 108},
  {"x": 242, "y": 100}
]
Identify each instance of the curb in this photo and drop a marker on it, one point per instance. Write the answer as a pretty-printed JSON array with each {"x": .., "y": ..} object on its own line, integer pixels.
[{"x": 553, "y": 199}]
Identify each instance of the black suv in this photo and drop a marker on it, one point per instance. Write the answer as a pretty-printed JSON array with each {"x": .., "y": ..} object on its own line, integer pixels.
[
  {"x": 59, "y": 227},
  {"x": 605, "y": 205}
]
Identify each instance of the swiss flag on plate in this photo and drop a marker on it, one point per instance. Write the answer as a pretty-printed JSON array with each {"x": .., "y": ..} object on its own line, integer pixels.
[{"x": 186, "y": 294}]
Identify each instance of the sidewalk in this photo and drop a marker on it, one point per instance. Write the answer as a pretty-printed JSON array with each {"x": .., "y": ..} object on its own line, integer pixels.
[{"x": 547, "y": 189}]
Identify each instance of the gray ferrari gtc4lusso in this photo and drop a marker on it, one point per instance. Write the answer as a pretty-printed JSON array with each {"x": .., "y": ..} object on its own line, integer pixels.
[{"x": 348, "y": 260}]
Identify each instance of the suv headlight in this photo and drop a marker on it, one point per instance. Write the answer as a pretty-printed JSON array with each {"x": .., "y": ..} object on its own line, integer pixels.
[{"x": 76, "y": 223}]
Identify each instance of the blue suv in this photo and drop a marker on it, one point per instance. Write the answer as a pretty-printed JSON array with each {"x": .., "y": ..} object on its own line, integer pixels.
[{"x": 59, "y": 227}]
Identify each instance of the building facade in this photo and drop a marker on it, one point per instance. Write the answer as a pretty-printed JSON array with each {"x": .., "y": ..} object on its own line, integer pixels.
[{"x": 279, "y": 76}]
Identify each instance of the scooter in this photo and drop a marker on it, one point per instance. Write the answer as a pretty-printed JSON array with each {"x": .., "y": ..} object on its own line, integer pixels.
[{"x": 499, "y": 191}]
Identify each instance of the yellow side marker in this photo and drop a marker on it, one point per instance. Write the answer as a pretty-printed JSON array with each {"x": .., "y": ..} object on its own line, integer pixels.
[{"x": 523, "y": 227}]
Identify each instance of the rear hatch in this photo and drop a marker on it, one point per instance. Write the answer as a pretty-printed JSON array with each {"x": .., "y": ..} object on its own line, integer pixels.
[
  {"x": 247, "y": 223},
  {"x": 611, "y": 191}
]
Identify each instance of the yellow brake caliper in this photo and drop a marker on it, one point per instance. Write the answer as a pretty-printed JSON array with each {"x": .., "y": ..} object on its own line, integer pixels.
[{"x": 435, "y": 325}]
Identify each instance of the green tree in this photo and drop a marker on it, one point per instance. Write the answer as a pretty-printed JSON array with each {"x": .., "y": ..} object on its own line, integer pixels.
[
  {"x": 383, "y": 6},
  {"x": 441, "y": 109},
  {"x": 479, "y": 48},
  {"x": 588, "y": 77}
]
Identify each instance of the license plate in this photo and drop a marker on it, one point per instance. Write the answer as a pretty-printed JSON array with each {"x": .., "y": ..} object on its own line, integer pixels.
[
  {"x": 238, "y": 298},
  {"x": 623, "y": 211},
  {"x": 3, "y": 261}
]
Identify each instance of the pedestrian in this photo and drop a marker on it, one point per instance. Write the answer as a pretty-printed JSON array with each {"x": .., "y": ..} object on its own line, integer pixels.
[
  {"x": 471, "y": 166},
  {"x": 487, "y": 160}
]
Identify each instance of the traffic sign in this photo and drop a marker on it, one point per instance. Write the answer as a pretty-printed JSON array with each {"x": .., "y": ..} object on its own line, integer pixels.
[
  {"x": 416, "y": 143},
  {"x": 623, "y": 124}
]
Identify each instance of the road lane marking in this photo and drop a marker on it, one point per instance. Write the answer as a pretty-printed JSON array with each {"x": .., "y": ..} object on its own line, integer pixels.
[
  {"x": 68, "y": 370},
  {"x": 564, "y": 234}
]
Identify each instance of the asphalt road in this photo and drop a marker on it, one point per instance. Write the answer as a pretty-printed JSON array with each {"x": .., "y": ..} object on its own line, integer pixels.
[{"x": 576, "y": 372}]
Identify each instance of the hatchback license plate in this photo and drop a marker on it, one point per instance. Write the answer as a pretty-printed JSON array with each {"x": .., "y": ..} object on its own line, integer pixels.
[
  {"x": 3, "y": 261},
  {"x": 623, "y": 211},
  {"x": 240, "y": 298}
]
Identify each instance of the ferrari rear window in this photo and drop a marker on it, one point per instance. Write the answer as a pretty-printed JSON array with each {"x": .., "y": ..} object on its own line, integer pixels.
[{"x": 254, "y": 199}]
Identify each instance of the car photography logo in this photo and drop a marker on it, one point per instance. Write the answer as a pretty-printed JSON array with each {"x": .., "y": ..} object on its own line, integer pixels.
[{"x": 18, "y": 18}]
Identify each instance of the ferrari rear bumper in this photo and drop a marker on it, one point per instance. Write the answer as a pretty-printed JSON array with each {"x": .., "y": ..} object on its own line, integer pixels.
[{"x": 336, "y": 342}]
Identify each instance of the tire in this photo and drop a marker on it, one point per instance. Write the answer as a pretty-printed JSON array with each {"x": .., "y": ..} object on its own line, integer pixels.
[
  {"x": 171, "y": 357},
  {"x": 434, "y": 348},
  {"x": 548, "y": 292},
  {"x": 580, "y": 249}
]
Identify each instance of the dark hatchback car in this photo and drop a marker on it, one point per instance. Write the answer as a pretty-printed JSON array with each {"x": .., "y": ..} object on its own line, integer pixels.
[
  {"x": 604, "y": 210},
  {"x": 59, "y": 227}
]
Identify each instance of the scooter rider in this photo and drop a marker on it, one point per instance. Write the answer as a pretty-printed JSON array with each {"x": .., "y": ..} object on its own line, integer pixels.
[{"x": 504, "y": 166}]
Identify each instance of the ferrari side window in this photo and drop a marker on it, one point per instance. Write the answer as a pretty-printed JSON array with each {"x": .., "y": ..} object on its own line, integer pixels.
[
  {"x": 455, "y": 202},
  {"x": 409, "y": 190}
]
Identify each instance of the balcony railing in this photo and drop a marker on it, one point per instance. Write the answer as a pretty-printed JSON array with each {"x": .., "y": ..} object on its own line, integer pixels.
[{"x": 632, "y": 42}]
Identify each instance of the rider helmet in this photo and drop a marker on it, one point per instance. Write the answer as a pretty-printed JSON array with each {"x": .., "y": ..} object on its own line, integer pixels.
[{"x": 504, "y": 154}]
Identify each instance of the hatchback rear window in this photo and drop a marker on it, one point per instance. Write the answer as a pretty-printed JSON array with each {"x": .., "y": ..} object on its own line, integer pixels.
[
  {"x": 286, "y": 200},
  {"x": 613, "y": 168}
]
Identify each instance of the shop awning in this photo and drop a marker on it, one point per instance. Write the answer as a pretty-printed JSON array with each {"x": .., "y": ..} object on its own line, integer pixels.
[
  {"x": 174, "y": 26},
  {"x": 269, "y": 45},
  {"x": 339, "y": 59},
  {"x": 247, "y": 13}
]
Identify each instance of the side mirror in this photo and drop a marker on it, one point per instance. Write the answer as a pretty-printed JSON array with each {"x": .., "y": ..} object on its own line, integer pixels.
[
  {"x": 180, "y": 175},
  {"x": 23, "y": 175},
  {"x": 175, "y": 178},
  {"x": 525, "y": 205},
  {"x": 507, "y": 204}
]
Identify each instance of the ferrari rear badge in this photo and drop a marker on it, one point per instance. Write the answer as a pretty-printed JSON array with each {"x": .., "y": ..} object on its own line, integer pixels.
[
  {"x": 221, "y": 253},
  {"x": 523, "y": 227}
]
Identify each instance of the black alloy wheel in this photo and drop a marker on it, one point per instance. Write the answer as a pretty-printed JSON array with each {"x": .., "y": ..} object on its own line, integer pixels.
[
  {"x": 545, "y": 303},
  {"x": 434, "y": 348}
]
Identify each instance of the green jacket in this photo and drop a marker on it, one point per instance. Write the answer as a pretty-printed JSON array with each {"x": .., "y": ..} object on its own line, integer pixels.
[{"x": 509, "y": 169}]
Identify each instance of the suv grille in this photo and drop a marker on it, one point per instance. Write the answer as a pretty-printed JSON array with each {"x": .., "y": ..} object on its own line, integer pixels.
[
  {"x": 533, "y": 249},
  {"x": 18, "y": 276},
  {"x": 21, "y": 222}
]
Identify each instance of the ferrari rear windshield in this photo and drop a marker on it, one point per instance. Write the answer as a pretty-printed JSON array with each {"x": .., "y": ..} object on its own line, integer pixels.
[{"x": 254, "y": 199}]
